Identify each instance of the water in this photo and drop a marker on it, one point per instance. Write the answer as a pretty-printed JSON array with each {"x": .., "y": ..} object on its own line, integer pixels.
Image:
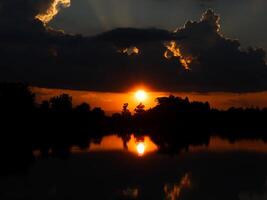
[{"x": 137, "y": 168}]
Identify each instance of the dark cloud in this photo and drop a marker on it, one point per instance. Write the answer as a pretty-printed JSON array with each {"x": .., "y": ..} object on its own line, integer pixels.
[
  {"x": 17, "y": 15},
  {"x": 132, "y": 36},
  {"x": 55, "y": 59},
  {"x": 28, "y": 15},
  {"x": 220, "y": 64}
]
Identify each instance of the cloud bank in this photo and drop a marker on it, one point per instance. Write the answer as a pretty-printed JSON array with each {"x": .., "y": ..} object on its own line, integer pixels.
[{"x": 35, "y": 53}]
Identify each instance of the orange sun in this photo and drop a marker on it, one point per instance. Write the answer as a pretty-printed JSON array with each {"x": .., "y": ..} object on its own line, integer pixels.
[{"x": 141, "y": 95}]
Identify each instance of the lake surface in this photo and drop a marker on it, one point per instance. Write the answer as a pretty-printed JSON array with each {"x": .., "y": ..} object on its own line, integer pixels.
[{"x": 135, "y": 168}]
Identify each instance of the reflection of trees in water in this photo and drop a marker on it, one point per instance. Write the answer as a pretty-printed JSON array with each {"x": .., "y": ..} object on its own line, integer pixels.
[
  {"x": 125, "y": 139},
  {"x": 173, "y": 124},
  {"x": 173, "y": 191}
]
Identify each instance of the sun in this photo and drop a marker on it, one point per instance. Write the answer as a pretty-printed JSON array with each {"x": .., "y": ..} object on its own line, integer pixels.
[
  {"x": 141, "y": 95},
  {"x": 140, "y": 147}
]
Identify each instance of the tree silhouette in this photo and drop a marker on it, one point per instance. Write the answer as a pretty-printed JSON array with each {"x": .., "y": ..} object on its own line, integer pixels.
[
  {"x": 98, "y": 113},
  {"x": 140, "y": 109},
  {"x": 16, "y": 97},
  {"x": 173, "y": 124},
  {"x": 125, "y": 111},
  {"x": 62, "y": 103},
  {"x": 83, "y": 108},
  {"x": 45, "y": 106}
]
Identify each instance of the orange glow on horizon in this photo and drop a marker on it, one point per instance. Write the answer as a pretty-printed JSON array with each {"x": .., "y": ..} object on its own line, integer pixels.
[{"x": 113, "y": 102}]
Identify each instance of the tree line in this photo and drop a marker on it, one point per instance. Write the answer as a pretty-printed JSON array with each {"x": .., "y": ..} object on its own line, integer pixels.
[{"x": 57, "y": 124}]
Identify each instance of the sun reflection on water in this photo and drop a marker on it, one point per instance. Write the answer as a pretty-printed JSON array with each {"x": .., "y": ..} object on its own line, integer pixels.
[
  {"x": 136, "y": 145},
  {"x": 140, "y": 148},
  {"x": 144, "y": 145},
  {"x": 141, "y": 145}
]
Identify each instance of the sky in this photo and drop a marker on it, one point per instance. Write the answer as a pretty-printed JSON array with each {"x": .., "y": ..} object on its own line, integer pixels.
[
  {"x": 112, "y": 102},
  {"x": 209, "y": 50},
  {"x": 240, "y": 19}
]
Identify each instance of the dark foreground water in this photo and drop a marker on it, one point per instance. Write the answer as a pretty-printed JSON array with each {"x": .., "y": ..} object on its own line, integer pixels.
[{"x": 135, "y": 169}]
